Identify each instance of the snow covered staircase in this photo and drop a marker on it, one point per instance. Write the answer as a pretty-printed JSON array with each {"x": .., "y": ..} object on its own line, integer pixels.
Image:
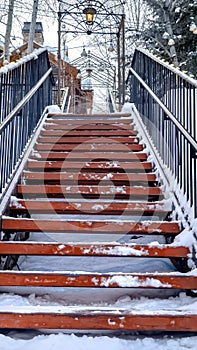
[{"x": 89, "y": 176}]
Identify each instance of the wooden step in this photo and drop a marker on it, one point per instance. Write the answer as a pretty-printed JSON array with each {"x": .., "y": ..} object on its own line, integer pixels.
[
  {"x": 86, "y": 178},
  {"x": 86, "y": 147},
  {"x": 121, "y": 122},
  {"x": 101, "y": 208},
  {"x": 89, "y": 166},
  {"x": 88, "y": 139},
  {"x": 98, "y": 280},
  {"x": 92, "y": 191},
  {"x": 104, "y": 116},
  {"x": 91, "y": 133},
  {"x": 99, "y": 226},
  {"x": 94, "y": 249},
  {"x": 58, "y": 126},
  {"x": 74, "y": 155},
  {"x": 97, "y": 318}
]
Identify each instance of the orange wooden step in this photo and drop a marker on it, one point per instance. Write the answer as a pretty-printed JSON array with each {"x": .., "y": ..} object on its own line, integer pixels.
[
  {"x": 86, "y": 147},
  {"x": 92, "y": 133},
  {"x": 99, "y": 226},
  {"x": 130, "y": 156},
  {"x": 101, "y": 208},
  {"x": 84, "y": 178},
  {"x": 125, "y": 122},
  {"x": 93, "y": 249},
  {"x": 97, "y": 318},
  {"x": 105, "y": 116},
  {"x": 92, "y": 191},
  {"x": 96, "y": 166},
  {"x": 86, "y": 126},
  {"x": 88, "y": 139},
  {"x": 98, "y": 280}
]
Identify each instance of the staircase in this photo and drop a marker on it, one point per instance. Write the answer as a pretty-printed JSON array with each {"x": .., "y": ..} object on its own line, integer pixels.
[{"x": 90, "y": 189}]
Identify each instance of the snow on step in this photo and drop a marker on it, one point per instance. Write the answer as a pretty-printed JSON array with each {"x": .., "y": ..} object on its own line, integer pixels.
[{"x": 97, "y": 318}]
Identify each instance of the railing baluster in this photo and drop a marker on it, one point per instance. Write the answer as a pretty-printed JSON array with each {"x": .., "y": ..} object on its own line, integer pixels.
[
  {"x": 21, "y": 108},
  {"x": 166, "y": 100}
]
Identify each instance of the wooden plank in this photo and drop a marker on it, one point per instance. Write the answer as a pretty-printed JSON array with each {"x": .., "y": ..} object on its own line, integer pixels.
[
  {"x": 99, "y": 226},
  {"x": 84, "y": 147},
  {"x": 97, "y": 319},
  {"x": 92, "y": 132},
  {"x": 89, "y": 139},
  {"x": 96, "y": 166},
  {"x": 89, "y": 177},
  {"x": 92, "y": 191},
  {"x": 105, "y": 116},
  {"x": 98, "y": 280},
  {"x": 129, "y": 156},
  {"x": 60, "y": 126},
  {"x": 93, "y": 249},
  {"x": 125, "y": 122},
  {"x": 101, "y": 208}
]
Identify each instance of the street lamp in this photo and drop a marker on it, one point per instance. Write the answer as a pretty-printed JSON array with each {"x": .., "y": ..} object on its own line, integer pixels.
[
  {"x": 101, "y": 25},
  {"x": 84, "y": 53},
  {"x": 89, "y": 12}
]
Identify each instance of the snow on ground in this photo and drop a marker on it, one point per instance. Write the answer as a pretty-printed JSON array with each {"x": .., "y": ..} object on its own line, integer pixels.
[
  {"x": 100, "y": 101},
  {"x": 73, "y": 342}
]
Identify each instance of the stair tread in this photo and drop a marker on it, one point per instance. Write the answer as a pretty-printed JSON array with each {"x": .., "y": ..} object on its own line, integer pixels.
[
  {"x": 86, "y": 279},
  {"x": 91, "y": 139},
  {"x": 29, "y": 175},
  {"x": 94, "y": 249},
  {"x": 98, "y": 318},
  {"x": 118, "y": 115},
  {"x": 56, "y": 128},
  {"x": 96, "y": 226},
  {"x": 53, "y": 122},
  {"x": 80, "y": 132},
  {"x": 129, "y": 156},
  {"x": 84, "y": 207},
  {"x": 135, "y": 147},
  {"x": 89, "y": 165}
]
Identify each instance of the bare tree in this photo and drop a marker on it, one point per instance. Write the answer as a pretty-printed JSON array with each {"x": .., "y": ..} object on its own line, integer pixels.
[
  {"x": 32, "y": 26},
  {"x": 9, "y": 29}
]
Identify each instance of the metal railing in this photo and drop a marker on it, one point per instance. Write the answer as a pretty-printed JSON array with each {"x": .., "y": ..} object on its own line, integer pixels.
[
  {"x": 66, "y": 100},
  {"x": 166, "y": 99},
  {"x": 111, "y": 100},
  {"x": 25, "y": 90}
]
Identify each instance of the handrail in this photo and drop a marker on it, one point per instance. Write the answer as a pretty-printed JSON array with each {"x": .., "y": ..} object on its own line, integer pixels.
[
  {"x": 169, "y": 67},
  {"x": 112, "y": 104},
  {"x": 167, "y": 112},
  {"x": 66, "y": 99},
  {"x": 24, "y": 101}
]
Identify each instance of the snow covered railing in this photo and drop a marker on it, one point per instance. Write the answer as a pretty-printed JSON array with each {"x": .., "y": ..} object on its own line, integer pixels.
[
  {"x": 25, "y": 91},
  {"x": 112, "y": 105},
  {"x": 166, "y": 99},
  {"x": 66, "y": 100}
]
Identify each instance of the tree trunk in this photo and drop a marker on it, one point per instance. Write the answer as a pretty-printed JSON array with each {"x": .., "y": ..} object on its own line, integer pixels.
[
  {"x": 169, "y": 30},
  {"x": 8, "y": 29},
  {"x": 32, "y": 26}
]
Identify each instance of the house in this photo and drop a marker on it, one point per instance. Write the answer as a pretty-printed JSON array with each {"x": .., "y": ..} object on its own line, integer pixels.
[{"x": 69, "y": 74}]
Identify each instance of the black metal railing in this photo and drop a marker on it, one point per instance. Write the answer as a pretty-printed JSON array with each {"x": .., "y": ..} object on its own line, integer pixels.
[
  {"x": 111, "y": 101},
  {"x": 25, "y": 90},
  {"x": 166, "y": 99}
]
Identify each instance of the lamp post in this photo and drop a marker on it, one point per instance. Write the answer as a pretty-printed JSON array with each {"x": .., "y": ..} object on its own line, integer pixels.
[
  {"x": 59, "y": 60},
  {"x": 121, "y": 61}
]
